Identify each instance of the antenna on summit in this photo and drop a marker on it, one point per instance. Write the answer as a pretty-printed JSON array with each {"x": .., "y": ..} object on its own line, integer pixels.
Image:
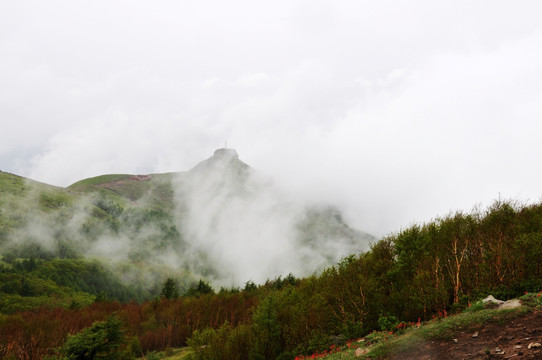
[{"x": 225, "y": 144}]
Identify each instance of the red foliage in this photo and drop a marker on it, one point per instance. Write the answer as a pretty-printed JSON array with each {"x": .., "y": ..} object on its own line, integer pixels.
[{"x": 158, "y": 324}]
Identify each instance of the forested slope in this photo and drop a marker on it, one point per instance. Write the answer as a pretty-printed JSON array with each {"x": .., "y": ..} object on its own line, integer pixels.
[{"x": 415, "y": 273}]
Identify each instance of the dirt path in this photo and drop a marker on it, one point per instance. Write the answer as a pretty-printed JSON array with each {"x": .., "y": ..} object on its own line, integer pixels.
[{"x": 510, "y": 340}]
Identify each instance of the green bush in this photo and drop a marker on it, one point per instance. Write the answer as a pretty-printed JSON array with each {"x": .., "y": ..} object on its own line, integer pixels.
[
  {"x": 153, "y": 355},
  {"x": 134, "y": 347},
  {"x": 102, "y": 340},
  {"x": 388, "y": 323}
]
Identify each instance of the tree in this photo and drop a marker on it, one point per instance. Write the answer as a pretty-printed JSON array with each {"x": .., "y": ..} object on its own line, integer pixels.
[
  {"x": 268, "y": 328},
  {"x": 200, "y": 288},
  {"x": 102, "y": 340},
  {"x": 456, "y": 233},
  {"x": 101, "y": 297},
  {"x": 250, "y": 286},
  {"x": 169, "y": 289}
]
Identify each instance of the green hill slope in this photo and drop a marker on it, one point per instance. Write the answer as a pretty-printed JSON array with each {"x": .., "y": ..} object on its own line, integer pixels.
[
  {"x": 214, "y": 221},
  {"x": 151, "y": 191},
  {"x": 20, "y": 196}
]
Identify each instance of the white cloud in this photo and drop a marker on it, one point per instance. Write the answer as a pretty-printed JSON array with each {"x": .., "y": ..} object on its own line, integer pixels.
[
  {"x": 250, "y": 80},
  {"x": 211, "y": 82},
  {"x": 397, "y": 111}
]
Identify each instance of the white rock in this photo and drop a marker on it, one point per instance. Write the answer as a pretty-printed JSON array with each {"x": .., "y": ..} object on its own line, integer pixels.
[
  {"x": 361, "y": 352},
  {"x": 491, "y": 299},
  {"x": 510, "y": 304}
]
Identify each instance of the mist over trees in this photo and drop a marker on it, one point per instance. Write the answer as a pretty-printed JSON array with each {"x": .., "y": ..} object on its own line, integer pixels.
[
  {"x": 221, "y": 221},
  {"x": 415, "y": 273},
  {"x": 172, "y": 257}
]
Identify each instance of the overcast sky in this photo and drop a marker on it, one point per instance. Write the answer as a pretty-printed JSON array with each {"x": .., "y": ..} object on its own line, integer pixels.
[{"x": 397, "y": 111}]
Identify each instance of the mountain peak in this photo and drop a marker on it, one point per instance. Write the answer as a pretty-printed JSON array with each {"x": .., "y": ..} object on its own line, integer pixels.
[
  {"x": 226, "y": 153},
  {"x": 222, "y": 159}
]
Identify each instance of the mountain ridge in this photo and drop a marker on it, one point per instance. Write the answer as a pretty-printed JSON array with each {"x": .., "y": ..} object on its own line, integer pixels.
[{"x": 220, "y": 214}]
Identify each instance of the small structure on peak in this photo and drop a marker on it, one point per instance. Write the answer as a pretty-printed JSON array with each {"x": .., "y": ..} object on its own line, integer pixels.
[{"x": 222, "y": 159}]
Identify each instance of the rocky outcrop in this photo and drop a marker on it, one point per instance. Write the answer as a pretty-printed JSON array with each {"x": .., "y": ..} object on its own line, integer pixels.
[{"x": 490, "y": 301}]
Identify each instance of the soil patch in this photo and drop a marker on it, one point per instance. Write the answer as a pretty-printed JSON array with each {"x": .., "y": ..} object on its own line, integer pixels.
[{"x": 508, "y": 340}]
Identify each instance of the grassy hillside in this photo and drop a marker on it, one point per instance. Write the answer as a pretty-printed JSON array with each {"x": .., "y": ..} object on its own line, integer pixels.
[
  {"x": 20, "y": 196},
  {"x": 481, "y": 331},
  {"x": 153, "y": 191},
  {"x": 186, "y": 220},
  {"x": 59, "y": 228}
]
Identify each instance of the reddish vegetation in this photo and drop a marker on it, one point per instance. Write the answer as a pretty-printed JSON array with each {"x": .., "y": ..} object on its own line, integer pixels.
[
  {"x": 31, "y": 334},
  {"x": 158, "y": 324},
  {"x": 140, "y": 177}
]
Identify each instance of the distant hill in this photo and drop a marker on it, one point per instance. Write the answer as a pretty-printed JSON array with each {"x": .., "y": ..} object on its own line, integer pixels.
[{"x": 221, "y": 220}]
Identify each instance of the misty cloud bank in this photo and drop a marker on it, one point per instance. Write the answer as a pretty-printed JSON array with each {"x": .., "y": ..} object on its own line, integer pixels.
[
  {"x": 396, "y": 111},
  {"x": 251, "y": 230},
  {"x": 230, "y": 214},
  {"x": 230, "y": 224}
]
